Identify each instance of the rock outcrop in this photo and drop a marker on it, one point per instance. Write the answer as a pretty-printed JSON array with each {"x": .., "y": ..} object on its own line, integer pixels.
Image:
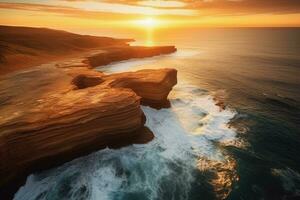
[
  {"x": 125, "y": 53},
  {"x": 72, "y": 114},
  {"x": 68, "y": 124},
  {"x": 153, "y": 86},
  {"x": 24, "y": 47},
  {"x": 58, "y": 111}
]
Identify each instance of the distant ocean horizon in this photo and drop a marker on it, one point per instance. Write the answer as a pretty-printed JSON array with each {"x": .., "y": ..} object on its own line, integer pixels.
[{"x": 248, "y": 150}]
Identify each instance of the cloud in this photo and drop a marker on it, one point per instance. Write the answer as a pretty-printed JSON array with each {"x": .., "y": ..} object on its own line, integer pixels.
[
  {"x": 184, "y": 8},
  {"x": 77, "y": 6},
  {"x": 223, "y": 7},
  {"x": 127, "y": 9},
  {"x": 162, "y": 4},
  {"x": 244, "y": 7}
]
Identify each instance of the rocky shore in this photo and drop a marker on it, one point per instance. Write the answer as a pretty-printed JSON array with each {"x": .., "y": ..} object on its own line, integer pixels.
[
  {"x": 115, "y": 54},
  {"x": 55, "y": 112}
]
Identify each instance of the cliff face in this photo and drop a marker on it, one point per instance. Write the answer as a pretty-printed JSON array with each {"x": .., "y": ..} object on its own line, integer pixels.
[
  {"x": 66, "y": 125},
  {"x": 153, "y": 86},
  {"x": 125, "y": 53},
  {"x": 58, "y": 111},
  {"x": 24, "y": 47},
  {"x": 71, "y": 114}
]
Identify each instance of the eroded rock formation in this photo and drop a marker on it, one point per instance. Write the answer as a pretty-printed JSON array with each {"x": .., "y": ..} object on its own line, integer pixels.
[
  {"x": 125, "y": 53},
  {"x": 153, "y": 86},
  {"x": 73, "y": 114},
  {"x": 58, "y": 111}
]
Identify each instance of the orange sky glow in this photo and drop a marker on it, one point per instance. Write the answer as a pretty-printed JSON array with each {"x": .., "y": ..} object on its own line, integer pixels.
[{"x": 85, "y": 15}]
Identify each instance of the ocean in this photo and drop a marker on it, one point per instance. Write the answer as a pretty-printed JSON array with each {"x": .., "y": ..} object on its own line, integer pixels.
[{"x": 249, "y": 150}]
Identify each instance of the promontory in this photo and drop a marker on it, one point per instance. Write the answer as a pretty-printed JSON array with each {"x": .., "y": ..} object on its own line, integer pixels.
[{"x": 55, "y": 107}]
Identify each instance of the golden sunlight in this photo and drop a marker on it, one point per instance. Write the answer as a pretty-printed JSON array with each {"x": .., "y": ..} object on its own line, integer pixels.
[
  {"x": 205, "y": 91},
  {"x": 148, "y": 22}
]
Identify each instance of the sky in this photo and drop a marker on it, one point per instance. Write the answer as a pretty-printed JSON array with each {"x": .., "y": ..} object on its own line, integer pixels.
[{"x": 118, "y": 14}]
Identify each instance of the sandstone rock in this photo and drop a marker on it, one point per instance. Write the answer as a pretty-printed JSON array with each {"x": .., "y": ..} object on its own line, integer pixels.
[
  {"x": 125, "y": 53},
  {"x": 24, "y": 47},
  {"x": 83, "y": 81},
  {"x": 69, "y": 114},
  {"x": 58, "y": 111},
  {"x": 152, "y": 85}
]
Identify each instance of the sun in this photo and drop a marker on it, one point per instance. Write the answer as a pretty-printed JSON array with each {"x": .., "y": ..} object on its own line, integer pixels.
[{"x": 148, "y": 22}]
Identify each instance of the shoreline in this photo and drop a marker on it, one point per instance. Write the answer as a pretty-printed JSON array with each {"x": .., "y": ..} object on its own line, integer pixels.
[{"x": 53, "y": 104}]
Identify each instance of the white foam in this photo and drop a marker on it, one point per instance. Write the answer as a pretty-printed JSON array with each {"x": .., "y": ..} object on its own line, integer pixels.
[{"x": 184, "y": 53}]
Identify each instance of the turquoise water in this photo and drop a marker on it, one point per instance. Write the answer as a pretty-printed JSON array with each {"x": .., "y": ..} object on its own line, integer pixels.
[{"x": 250, "y": 150}]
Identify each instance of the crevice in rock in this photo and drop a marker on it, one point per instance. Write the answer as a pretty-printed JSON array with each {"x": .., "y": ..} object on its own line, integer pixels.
[{"x": 84, "y": 81}]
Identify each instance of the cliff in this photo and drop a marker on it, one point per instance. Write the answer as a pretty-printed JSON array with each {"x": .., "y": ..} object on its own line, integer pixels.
[
  {"x": 24, "y": 47},
  {"x": 55, "y": 118},
  {"x": 55, "y": 112},
  {"x": 125, "y": 53}
]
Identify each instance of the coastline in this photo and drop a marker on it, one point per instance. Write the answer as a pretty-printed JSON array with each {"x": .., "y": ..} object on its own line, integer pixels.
[{"x": 54, "y": 113}]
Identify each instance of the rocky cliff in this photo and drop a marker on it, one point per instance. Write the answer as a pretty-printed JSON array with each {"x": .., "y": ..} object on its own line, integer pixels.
[
  {"x": 66, "y": 114},
  {"x": 125, "y": 53},
  {"x": 55, "y": 112}
]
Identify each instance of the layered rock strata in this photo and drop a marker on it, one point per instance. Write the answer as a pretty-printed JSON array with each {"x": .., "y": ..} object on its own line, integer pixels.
[
  {"x": 67, "y": 114},
  {"x": 124, "y": 53},
  {"x": 58, "y": 111}
]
